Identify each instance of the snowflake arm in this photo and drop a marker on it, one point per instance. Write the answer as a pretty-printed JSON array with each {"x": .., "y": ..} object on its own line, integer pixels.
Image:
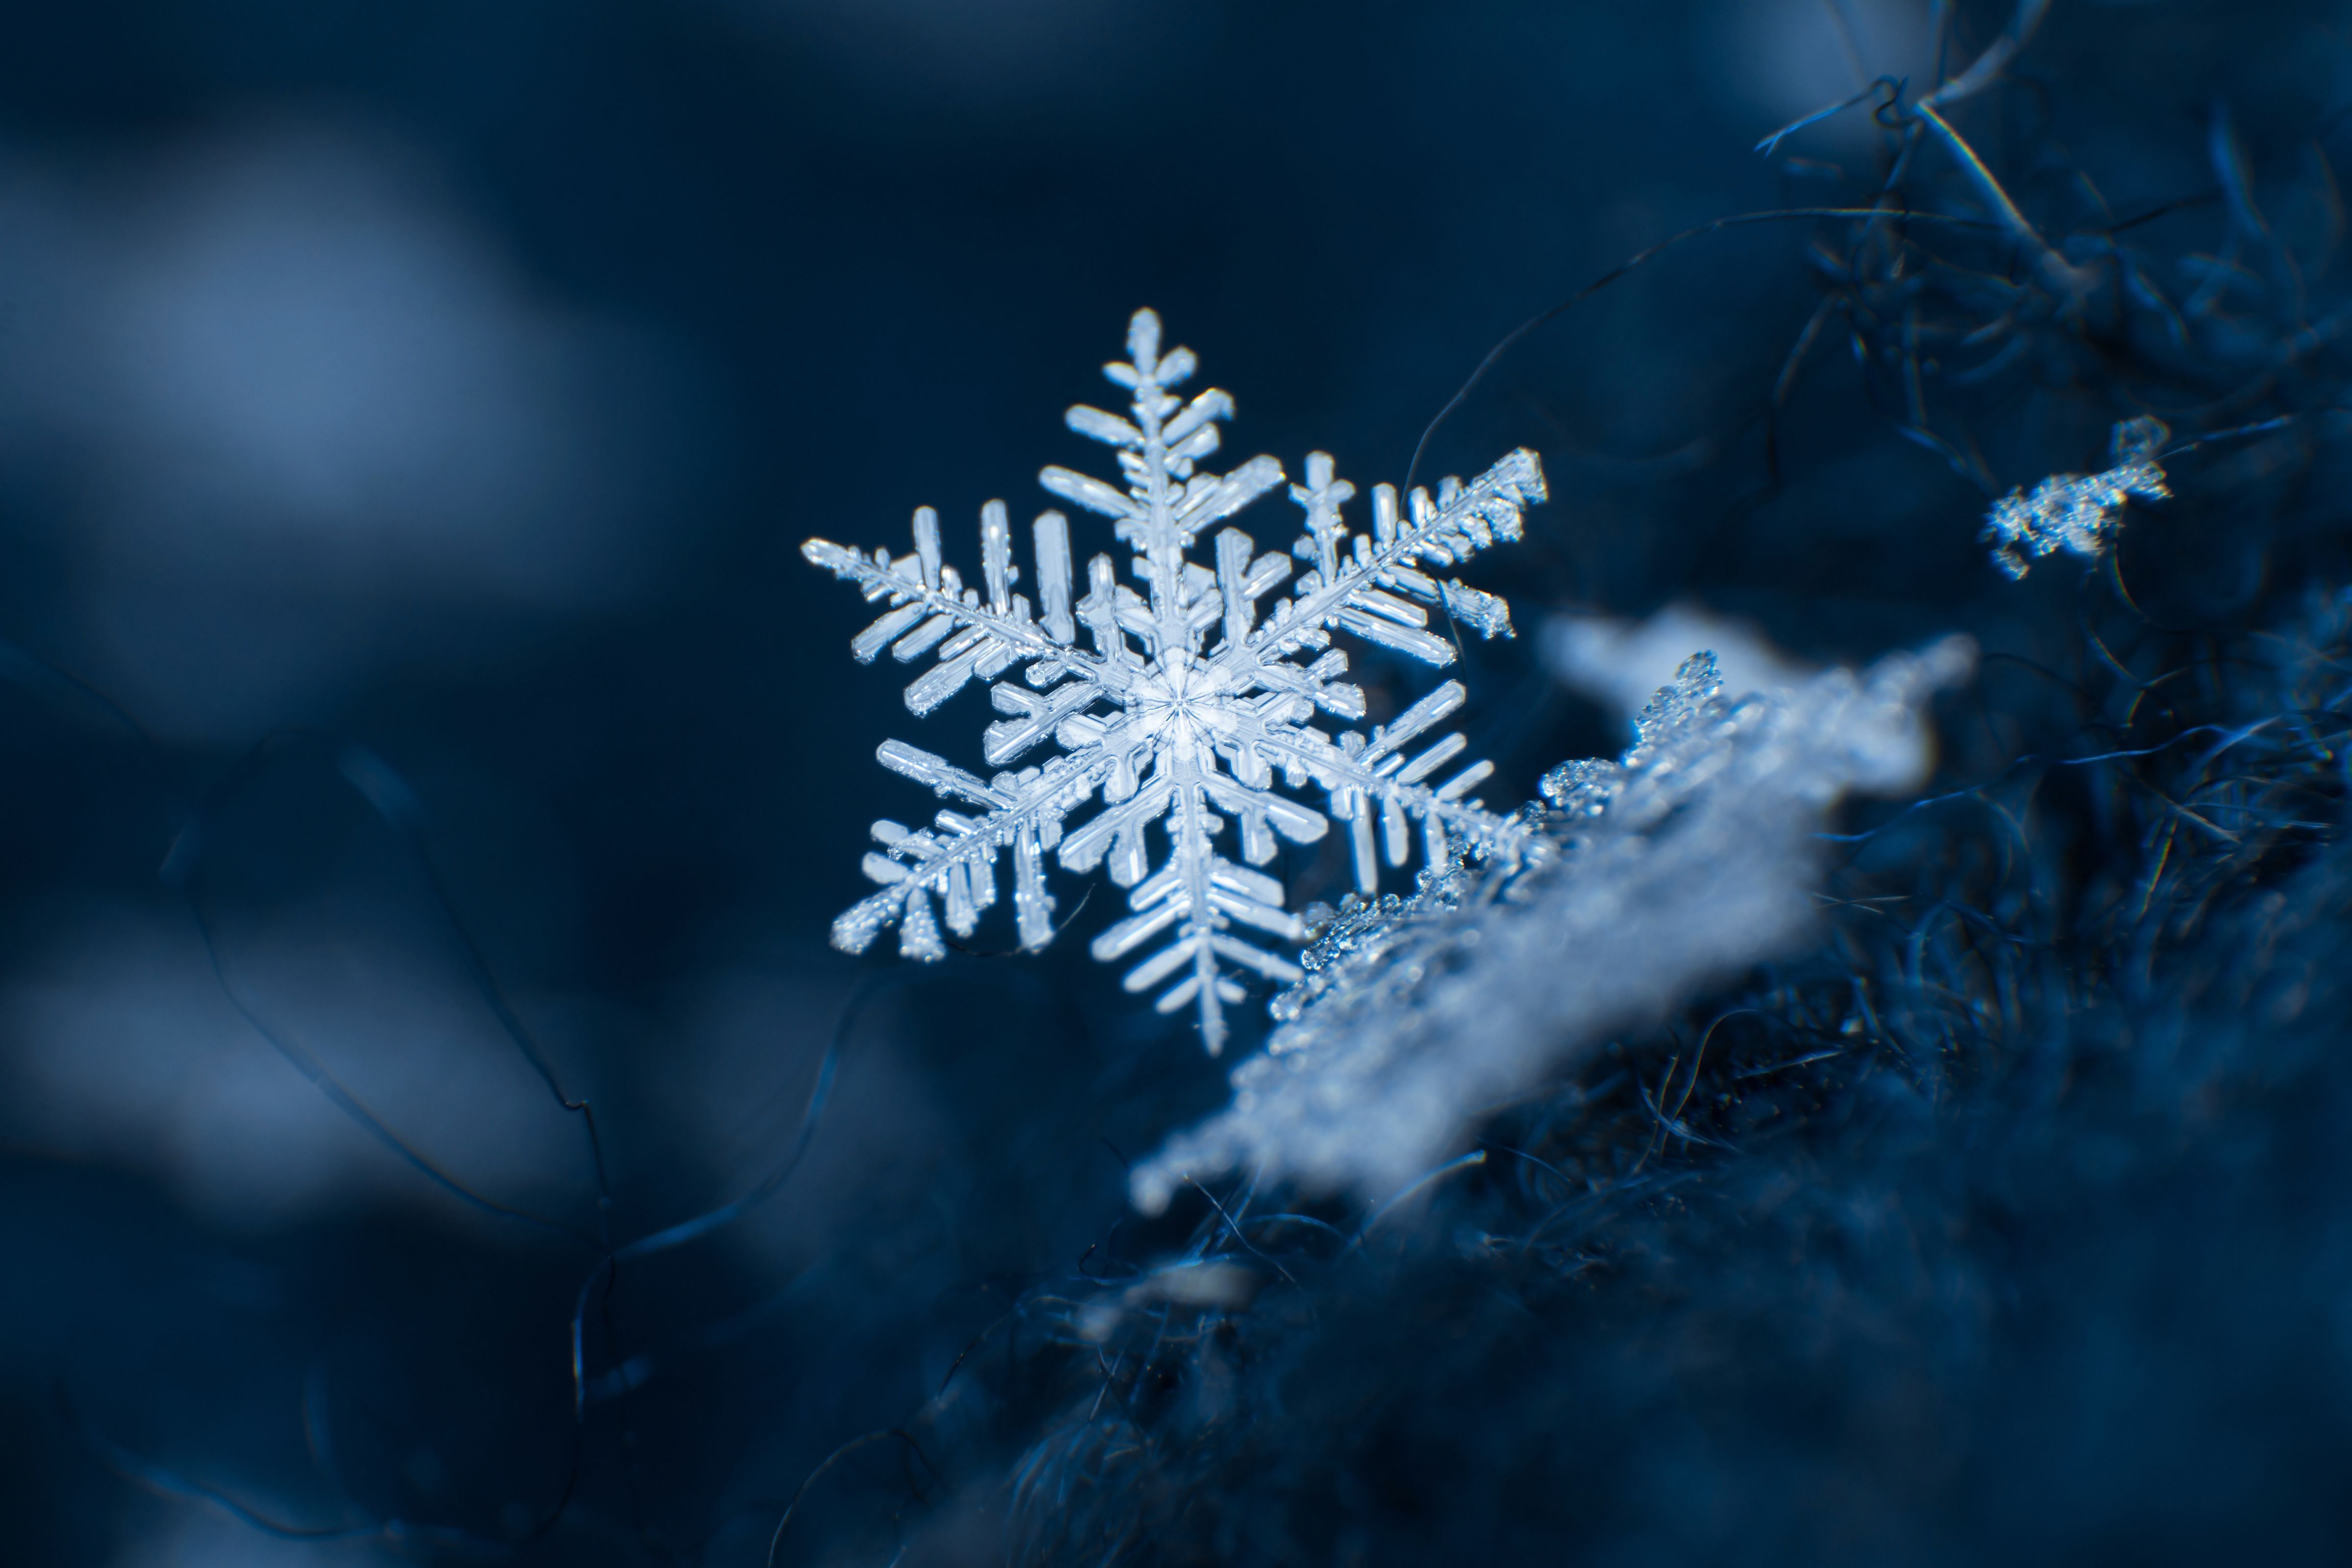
[
  {"x": 1380, "y": 791},
  {"x": 1357, "y": 590},
  {"x": 955, "y": 859},
  {"x": 931, "y": 608},
  {"x": 1174, "y": 703},
  {"x": 1199, "y": 894},
  {"x": 1369, "y": 586}
]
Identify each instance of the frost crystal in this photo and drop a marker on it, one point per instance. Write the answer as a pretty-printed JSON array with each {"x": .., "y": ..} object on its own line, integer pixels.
[
  {"x": 1692, "y": 857},
  {"x": 2078, "y": 511},
  {"x": 1182, "y": 702}
]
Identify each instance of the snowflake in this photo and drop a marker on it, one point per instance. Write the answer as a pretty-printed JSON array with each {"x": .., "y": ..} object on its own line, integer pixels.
[
  {"x": 2079, "y": 511},
  {"x": 1182, "y": 703}
]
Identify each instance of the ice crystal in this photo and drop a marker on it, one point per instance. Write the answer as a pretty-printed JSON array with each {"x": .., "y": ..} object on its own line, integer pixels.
[
  {"x": 1621, "y": 664},
  {"x": 1182, "y": 702},
  {"x": 2078, "y": 511},
  {"x": 1690, "y": 858}
]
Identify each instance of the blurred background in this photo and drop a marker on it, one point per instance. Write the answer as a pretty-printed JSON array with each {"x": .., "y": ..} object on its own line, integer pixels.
[{"x": 408, "y": 419}]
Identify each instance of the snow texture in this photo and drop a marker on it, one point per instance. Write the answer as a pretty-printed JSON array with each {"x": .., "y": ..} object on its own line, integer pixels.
[
  {"x": 1181, "y": 702},
  {"x": 1690, "y": 859},
  {"x": 2078, "y": 511},
  {"x": 1621, "y": 664}
]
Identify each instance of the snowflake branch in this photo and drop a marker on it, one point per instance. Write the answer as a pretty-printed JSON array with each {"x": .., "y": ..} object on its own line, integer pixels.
[
  {"x": 956, "y": 862},
  {"x": 1375, "y": 780},
  {"x": 1462, "y": 521},
  {"x": 933, "y": 608},
  {"x": 1199, "y": 892}
]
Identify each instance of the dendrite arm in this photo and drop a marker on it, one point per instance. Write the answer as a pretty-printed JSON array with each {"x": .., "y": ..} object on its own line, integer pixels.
[
  {"x": 931, "y": 608},
  {"x": 1380, "y": 791},
  {"x": 954, "y": 860},
  {"x": 1371, "y": 589}
]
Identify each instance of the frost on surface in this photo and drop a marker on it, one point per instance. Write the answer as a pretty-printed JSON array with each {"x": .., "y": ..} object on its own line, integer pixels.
[
  {"x": 1687, "y": 860},
  {"x": 1174, "y": 698},
  {"x": 2080, "y": 512}
]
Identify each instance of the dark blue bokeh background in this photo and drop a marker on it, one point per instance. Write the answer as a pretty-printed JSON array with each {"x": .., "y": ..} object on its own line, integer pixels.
[{"x": 408, "y": 419}]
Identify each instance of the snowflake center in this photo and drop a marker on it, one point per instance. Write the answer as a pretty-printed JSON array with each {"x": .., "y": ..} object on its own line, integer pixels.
[{"x": 1178, "y": 706}]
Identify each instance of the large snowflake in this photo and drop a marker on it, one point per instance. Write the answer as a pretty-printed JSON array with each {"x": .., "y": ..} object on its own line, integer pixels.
[{"x": 1182, "y": 702}]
